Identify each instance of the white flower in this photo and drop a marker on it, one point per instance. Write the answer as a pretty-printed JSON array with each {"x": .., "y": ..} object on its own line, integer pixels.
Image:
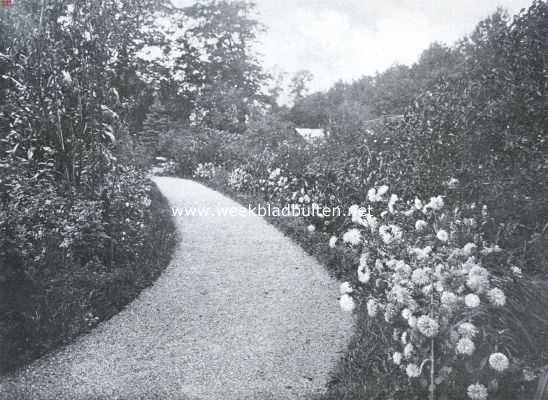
[
  {"x": 357, "y": 213},
  {"x": 467, "y": 330},
  {"x": 516, "y": 271},
  {"x": 353, "y": 237},
  {"x": 382, "y": 190},
  {"x": 393, "y": 200},
  {"x": 436, "y": 203},
  {"x": 498, "y": 361},
  {"x": 477, "y": 392},
  {"x": 448, "y": 298},
  {"x": 396, "y": 232},
  {"x": 397, "y": 357},
  {"x": 496, "y": 297},
  {"x": 379, "y": 266},
  {"x": 364, "y": 274},
  {"x": 453, "y": 183},
  {"x": 412, "y": 321},
  {"x": 403, "y": 270},
  {"x": 465, "y": 346},
  {"x": 347, "y": 303},
  {"x": 372, "y": 308},
  {"x": 408, "y": 350},
  {"x": 428, "y": 326},
  {"x": 373, "y": 196},
  {"x": 413, "y": 371},
  {"x": 400, "y": 294},
  {"x": 421, "y": 254},
  {"x": 390, "y": 312},
  {"x": 442, "y": 235},
  {"x": 333, "y": 241},
  {"x": 471, "y": 300},
  {"x": 311, "y": 228},
  {"x": 469, "y": 248},
  {"x": 421, "y": 276},
  {"x": 421, "y": 225},
  {"x": 386, "y": 236},
  {"x": 372, "y": 221},
  {"x": 364, "y": 257},
  {"x": 345, "y": 288},
  {"x": 418, "y": 204},
  {"x": 406, "y": 313},
  {"x": 478, "y": 283}
]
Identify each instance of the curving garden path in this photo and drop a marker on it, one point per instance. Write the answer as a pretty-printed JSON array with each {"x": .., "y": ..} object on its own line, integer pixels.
[{"x": 240, "y": 313}]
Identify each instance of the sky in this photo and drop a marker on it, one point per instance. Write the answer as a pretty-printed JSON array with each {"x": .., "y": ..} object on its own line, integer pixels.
[{"x": 346, "y": 39}]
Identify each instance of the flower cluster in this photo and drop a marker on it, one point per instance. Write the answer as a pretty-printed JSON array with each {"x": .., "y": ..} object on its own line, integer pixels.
[
  {"x": 239, "y": 179},
  {"x": 205, "y": 171},
  {"x": 421, "y": 273}
]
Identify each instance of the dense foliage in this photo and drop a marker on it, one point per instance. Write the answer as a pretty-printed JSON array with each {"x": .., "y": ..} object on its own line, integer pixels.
[
  {"x": 78, "y": 233},
  {"x": 467, "y": 123},
  {"x": 465, "y": 126}
]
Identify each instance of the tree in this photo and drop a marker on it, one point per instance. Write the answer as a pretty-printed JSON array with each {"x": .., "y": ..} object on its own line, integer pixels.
[
  {"x": 221, "y": 73},
  {"x": 299, "y": 84}
]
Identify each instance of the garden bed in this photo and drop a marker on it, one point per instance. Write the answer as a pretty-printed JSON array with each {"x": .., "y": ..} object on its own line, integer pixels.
[{"x": 39, "y": 315}]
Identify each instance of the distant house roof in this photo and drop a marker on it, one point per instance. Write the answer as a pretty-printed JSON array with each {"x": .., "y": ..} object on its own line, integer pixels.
[{"x": 311, "y": 135}]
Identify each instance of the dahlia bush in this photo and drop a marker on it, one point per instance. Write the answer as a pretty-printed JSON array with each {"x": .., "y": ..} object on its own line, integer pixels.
[{"x": 421, "y": 275}]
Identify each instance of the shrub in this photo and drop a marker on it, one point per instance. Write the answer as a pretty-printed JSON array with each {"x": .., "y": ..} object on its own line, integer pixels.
[{"x": 67, "y": 264}]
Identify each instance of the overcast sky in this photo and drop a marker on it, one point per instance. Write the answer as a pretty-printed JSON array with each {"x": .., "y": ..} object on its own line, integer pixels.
[{"x": 349, "y": 38}]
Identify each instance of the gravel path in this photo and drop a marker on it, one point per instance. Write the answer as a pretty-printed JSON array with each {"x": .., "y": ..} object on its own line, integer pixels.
[{"x": 240, "y": 313}]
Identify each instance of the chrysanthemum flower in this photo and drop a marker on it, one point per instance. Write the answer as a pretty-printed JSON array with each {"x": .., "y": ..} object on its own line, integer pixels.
[
  {"x": 496, "y": 297},
  {"x": 471, "y": 300},
  {"x": 372, "y": 222},
  {"x": 408, "y": 350},
  {"x": 311, "y": 228},
  {"x": 375, "y": 195},
  {"x": 333, "y": 241},
  {"x": 389, "y": 313},
  {"x": 403, "y": 270},
  {"x": 478, "y": 283},
  {"x": 345, "y": 288},
  {"x": 499, "y": 362},
  {"x": 347, "y": 303},
  {"x": 392, "y": 202},
  {"x": 448, "y": 298},
  {"x": 465, "y": 346},
  {"x": 477, "y": 392},
  {"x": 421, "y": 254},
  {"x": 372, "y": 308},
  {"x": 442, "y": 235},
  {"x": 413, "y": 370},
  {"x": 397, "y": 357},
  {"x": 420, "y": 276},
  {"x": 418, "y": 203},
  {"x": 400, "y": 294},
  {"x": 516, "y": 271},
  {"x": 364, "y": 274},
  {"x": 467, "y": 330},
  {"x": 406, "y": 313},
  {"x": 421, "y": 225},
  {"x": 469, "y": 248},
  {"x": 352, "y": 237},
  {"x": 436, "y": 203},
  {"x": 428, "y": 326},
  {"x": 412, "y": 321}
]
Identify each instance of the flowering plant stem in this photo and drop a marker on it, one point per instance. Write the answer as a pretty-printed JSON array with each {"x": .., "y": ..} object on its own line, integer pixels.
[{"x": 432, "y": 387}]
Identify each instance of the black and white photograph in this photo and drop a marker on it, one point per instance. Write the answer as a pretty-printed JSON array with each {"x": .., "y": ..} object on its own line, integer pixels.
[{"x": 273, "y": 200}]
